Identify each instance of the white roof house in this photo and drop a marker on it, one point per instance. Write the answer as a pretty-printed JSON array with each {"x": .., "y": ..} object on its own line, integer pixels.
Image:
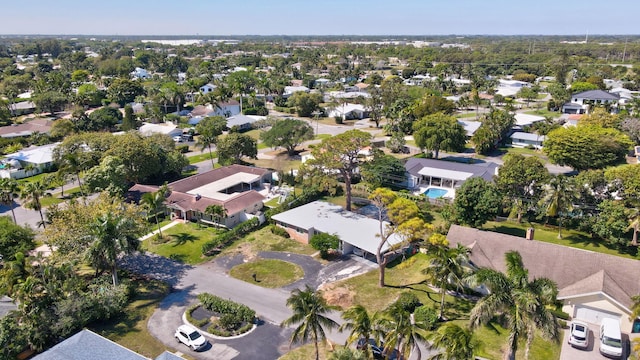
[
  {"x": 354, "y": 230},
  {"x": 40, "y": 157},
  {"x": 349, "y": 111},
  {"x": 523, "y": 139},
  {"x": 169, "y": 129},
  {"x": 526, "y": 119},
  {"x": 289, "y": 90},
  {"x": 470, "y": 126}
]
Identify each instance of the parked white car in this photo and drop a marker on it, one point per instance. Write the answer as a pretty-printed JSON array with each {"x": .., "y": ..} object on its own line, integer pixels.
[
  {"x": 579, "y": 335},
  {"x": 189, "y": 336}
]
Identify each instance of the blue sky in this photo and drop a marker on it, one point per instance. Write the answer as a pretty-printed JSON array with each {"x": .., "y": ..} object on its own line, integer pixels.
[{"x": 320, "y": 17}]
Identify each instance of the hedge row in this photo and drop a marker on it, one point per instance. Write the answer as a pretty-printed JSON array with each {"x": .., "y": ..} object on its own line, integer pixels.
[
  {"x": 229, "y": 310},
  {"x": 230, "y": 236}
]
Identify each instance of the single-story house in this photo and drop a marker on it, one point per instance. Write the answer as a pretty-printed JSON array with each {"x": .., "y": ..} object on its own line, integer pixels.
[
  {"x": 591, "y": 285},
  {"x": 358, "y": 234},
  {"x": 169, "y": 129},
  {"x": 527, "y": 119},
  {"x": 23, "y": 108},
  {"x": 349, "y": 112},
  {"x": 238, "y": 189},
  {"x": 140, "y": 73},
  {"x": 510, "y": 88},
  {"x": 523, "y": 139},
  {"x": 27, "y": 162},
  {"x": 289, "y": 90},
  {"x": 27, "y": 128},
  {"x": 580, "y": 102},
  {"x": 207, "y": 88},
  {"x": 423, "y": 174},
  {"x": 242, "y": 122},
  {"x": 86, "y": 344},
  {"x": 470, "y": 126}
]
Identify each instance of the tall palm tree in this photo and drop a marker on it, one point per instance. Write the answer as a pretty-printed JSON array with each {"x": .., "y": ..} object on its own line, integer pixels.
[
  {"x": 109, "y": 237},
  {"x": 71, "y": 163},
  {"x": 309, "y": 310},
  {"x": 558, "y": 198},
  {"x": 634, "y": 224},
  {"x": 360, "y": 324},
  {"x": 9, "y": 190},
  {"x": 523, "y": 303},
  {"x": 153, "y": 202},
  {"x": 32, "y": 193},
  {"x": 217, "y": 212},
  {"x": 453, "y": 341},
  {"x": 400, "y": 332},
  {"x": 446, "y": 269}
]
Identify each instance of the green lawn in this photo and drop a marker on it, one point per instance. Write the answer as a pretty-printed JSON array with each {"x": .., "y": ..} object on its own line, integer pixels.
[
  {"x": 572, "y": 238},
  {"x": 466, "y": 115},
  {"x": 524, "y": 151},
  {"x": 202, "y": 157},
  {"x": 34, "y": 178},
  {"x": 493, "y": 341},
  {"x": 184, "y": 242},
  {"x": 308, "y": 351},
  {"x": 56, "y": 198},
  {"x": 544, "y": 112},
  {"x": 264, "y": 240},
  {"x": 269, "y": 273},
  {"x": 130, "y": 328},
  {"x": 322, "y": 136}
]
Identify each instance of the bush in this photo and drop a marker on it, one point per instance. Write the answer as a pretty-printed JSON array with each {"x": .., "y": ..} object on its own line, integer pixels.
[
  {"x": 426, "y": 315},
  {"x": 338, "y": 119},
  {"x": 183, "y": 149},
  {"x": 222, "y": 306},
  {"x": 560, "y": 314},
  {"x": 230, "y": 236},
  {"x": 408, "y": 301},
  {"x": 277, "y": 230},
  {"x": 324, "y": 242}
]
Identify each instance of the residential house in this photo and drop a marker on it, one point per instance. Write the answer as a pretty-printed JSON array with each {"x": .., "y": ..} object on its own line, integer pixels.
[
  {"x": 242, "y": 122},
  {"x": 86, "y": 344},
  {"x": 349, "y": 112},
  {"x": 140, "y": 73},
  {"x": 226, "y": 109},
  {"x": 526, "y": 119},
  {"x": 581, "y": 102},
  {"x": 591, "y": 285},
  {"x": 290, "y": 90},
  {"x": 27, "y": 162},
  {"x": 27, "y": 128},
  {"x": 23, "y": 108},
  {"x": 470, "y": 126},
  {"x": 239, "y": 189},
  {"x": 423, "y": 174},
  {"x": 169, "y": 129},
  {"x": 207, "y": 88},
  {"x": 523, "y": 139},
  {"x": 510, "y": 88},
  {"x": 357, "y": 233}
]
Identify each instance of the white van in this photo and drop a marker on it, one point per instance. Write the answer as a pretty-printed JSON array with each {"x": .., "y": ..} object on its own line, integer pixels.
[{"x": 610, "y": 338}]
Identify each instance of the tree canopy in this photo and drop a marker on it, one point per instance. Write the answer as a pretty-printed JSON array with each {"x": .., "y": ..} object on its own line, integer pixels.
[
  {"x": 287, "y": 133},
  {"x": 234, "y": 146},
  {"x": 477, "y": 201},
  {"x": 439, "y": 132}
]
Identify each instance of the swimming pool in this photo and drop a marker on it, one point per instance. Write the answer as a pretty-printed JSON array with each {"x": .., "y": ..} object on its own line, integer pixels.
[{"x": 434, "y": 193}]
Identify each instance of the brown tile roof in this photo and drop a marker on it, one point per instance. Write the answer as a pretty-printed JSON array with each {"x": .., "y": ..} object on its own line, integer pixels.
[
  {"x": 196, "y": 181},
  {"x": 575, "y": 271},
  {"x": 27, "y": 128}
]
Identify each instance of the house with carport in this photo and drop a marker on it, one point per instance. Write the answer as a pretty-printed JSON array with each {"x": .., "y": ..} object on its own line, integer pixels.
[
  {"x": 239, "y": 189},
  {"x": 591, "y": 286},
  {"x": 358, "y": 234}
]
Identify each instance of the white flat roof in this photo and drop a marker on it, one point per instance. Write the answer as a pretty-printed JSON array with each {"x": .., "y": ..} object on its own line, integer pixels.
[
  {"x": 527, "y": 136},
  {"x": 213, "y": 190},
  {"x": 352, "y": 228},
  {"x": 526, "y": 119},
  {"x": 445, "y": 174},
  {"x": 39, "y": 155}
]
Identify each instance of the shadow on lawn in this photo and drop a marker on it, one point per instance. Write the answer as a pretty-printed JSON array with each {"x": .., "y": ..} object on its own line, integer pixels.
[{"x": 183, "y": 238}]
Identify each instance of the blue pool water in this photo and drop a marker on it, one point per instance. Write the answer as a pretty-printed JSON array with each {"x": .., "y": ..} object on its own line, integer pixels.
[{"x": 434, "y": 193}]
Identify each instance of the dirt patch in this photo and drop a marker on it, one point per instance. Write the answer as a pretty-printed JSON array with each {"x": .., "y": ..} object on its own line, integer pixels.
[
  {"x": 338, "y": 296},
  {"x": 247, "y": 252}
]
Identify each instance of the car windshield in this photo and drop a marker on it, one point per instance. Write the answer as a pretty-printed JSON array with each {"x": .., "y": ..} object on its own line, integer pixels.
[
  {"x": 194, "y": 335},
  {"x": 612, "y": 342},
  {"x": 579, "y": 328}
]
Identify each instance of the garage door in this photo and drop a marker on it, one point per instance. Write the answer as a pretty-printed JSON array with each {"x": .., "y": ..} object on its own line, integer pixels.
[{"x": 592, "y": 315}]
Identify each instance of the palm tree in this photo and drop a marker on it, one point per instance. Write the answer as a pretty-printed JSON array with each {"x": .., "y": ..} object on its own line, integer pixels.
[
  {"x": 9, "y": 190},
  {"x": 447, "y": 269},
  {"x": 454, "y": 342},
  {"x": 71, "y": 163},
  {"x": 32, "y": 193},
  {"x": 217, "y": 212},
  {"x": 153, "y": 202},
  {"x": 558, "y": 198},
  {"x": 523, "y": 303},
  {"x": 400, "y": 332},
  {"x": 360, "y": 324},
  {"x": 309, "y": 309},
  {"x": 109, "y": 237},
  {"x": 634, "y": 224}
]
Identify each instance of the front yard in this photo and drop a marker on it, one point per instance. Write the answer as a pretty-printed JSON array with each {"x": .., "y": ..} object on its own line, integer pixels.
[
  {"x": 263, "y": 240},
  {"x": 182, "y": 242}
]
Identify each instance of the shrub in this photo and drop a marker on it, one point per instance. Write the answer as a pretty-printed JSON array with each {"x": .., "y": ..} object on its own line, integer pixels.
[
  {"x": 223, "y": 306},
  {"x": 408, "y": 301},
  {"x": 560, "y": 314},
  {"x": 192, "y": 320},
  {"x": 426, "y": 315},
  {"x": 277, "y": 230},
  {"x": 230, "y": 236},
  {"x": 183, "y": 149},
  {"x": 324, "y": 242}
]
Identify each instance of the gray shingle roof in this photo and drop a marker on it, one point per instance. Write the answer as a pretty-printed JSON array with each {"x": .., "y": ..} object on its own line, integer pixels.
[
  {"x": 485, "y": 170},
  {"x": 87, "y": 345},
  {"x": 575, "y": 271},
  {"x": 596, "y": 95}
]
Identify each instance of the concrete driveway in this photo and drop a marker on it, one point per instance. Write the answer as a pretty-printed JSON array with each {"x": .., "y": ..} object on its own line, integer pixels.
[{"x": 568, "y": 352}]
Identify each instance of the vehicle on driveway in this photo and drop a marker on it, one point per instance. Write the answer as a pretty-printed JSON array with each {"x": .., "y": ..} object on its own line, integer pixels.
[
  {"x": 579, "y": 335},
  {"x": 610, "y": 338},
  {"x": 189, "y": 336},
  {"x": 378, "y": 351}
]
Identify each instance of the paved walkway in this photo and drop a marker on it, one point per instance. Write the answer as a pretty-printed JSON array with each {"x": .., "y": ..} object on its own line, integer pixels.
[{"x": 168, "y": 226}]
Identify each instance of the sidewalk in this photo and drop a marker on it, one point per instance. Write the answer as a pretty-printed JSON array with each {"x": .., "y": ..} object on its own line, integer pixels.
[{"x": 154, "y": 232}]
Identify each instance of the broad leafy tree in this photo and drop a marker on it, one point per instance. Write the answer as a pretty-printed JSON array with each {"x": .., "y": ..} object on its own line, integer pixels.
[
  {"x": 305, "y": 103},
  {"x": 477, "y": 201},
  {"x": 338, "y": 154},
  {"x": 520, "y": 179},
  {"x": 234, "y": 146},
  {"x": 14, "y": 238},
  {"x": 626, "y": 181},
  {"x": 586, "y": 147},
  {"x": 287, "y": 133},
  {"x": 123, "y": 91},
  {"x": 439, "y": 132},
  {"x": 310, "y": 313},
  {"x": 612, "y": 222},
  {"x": 383, "y": 170},
  {"x": 523, "y": 303}
]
